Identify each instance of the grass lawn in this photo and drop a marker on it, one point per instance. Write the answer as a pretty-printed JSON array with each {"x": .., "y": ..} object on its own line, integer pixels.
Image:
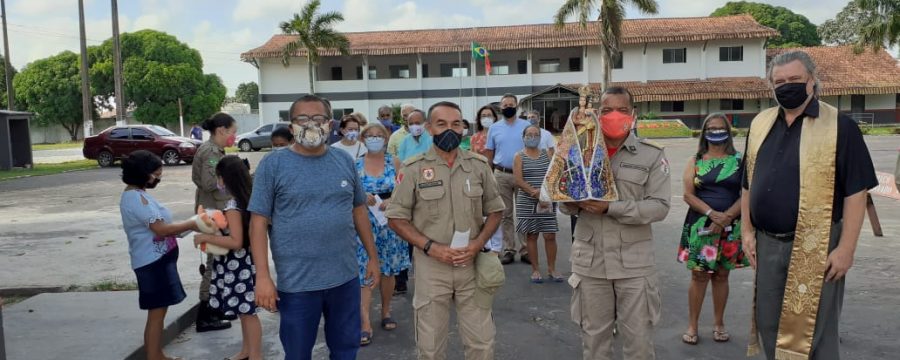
[
  {"x": 65, "y": 145},
  {"x": 48, "y": 169},
  {"x": 662, "y": 129}
]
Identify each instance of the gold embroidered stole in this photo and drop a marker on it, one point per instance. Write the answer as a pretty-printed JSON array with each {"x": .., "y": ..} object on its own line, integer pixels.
[{"x": 806, "y": 271}]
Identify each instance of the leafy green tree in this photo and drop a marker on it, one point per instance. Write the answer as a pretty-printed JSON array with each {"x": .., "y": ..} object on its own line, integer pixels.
[
  {"x": 158, "y": 70},
  {"x": 612, "y": 13},
  {"x": 51, "y": 89},
  {"x": 846, "y": 26},
  {"x": 314, "y": 31},
  {"x": 882, "y": 29},
  {"x": 795, "y": 29},
  {"x": 248, "y": 93},
  {"x": 3, "y": 99}
]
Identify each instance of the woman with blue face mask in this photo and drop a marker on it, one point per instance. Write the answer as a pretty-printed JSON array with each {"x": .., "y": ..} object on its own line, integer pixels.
[
  {"x": 350, "y": 125},
  {"x": 710, "y": 240},
  {"x": 378, "y": 173},
  {"x": 533, "y": 216}
]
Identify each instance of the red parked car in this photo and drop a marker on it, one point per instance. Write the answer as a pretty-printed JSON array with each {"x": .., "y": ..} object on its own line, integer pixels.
[{"x": 118, "y": 141}]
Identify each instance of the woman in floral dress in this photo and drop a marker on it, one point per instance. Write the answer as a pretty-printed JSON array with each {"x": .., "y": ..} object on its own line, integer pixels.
[
  {"x": 378, "y": 173},
  {"x": 710, "y": 241}
]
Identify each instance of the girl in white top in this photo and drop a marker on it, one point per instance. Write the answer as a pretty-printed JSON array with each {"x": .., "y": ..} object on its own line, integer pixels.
[{"x": 350, "y": 125}]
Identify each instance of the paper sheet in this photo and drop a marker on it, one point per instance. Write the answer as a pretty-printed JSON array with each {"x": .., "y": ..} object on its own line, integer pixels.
[
  {"x": 460, "y": 240},
  {"x": 376, "y": 211}
]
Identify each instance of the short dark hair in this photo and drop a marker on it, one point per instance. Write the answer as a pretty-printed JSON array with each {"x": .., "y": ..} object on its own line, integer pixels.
[
  {"x": 350, "y": 118},
  {"x": 282, "y": 132},
  {"x": 448, "y": 104},
  {"x": 137, "y": 167},
  {"x": 311, "y": 98},
  {"x": 216, "y": 121},
  {"x": 478, "y": 125},
  {"x": 619, "y": 90},
  {"x": 236, "y": 175},
  {"x": 509, "y": 95}
]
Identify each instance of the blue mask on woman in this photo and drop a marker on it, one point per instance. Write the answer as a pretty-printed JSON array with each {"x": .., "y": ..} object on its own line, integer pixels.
[{"x": 717, "y": 137}]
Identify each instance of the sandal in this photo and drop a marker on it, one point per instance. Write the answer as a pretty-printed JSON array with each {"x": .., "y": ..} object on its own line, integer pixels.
[
  {"x": 555, "y": 278},
  {"x": 365, "y": 338},
  {"x": 536, "y": 278},
  {"x": 690, "y": 339},
  {"x": 721, "y": 336},
  {"x": 388, "y": 324}
]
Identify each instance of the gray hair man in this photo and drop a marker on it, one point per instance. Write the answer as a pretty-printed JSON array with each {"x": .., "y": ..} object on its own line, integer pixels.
[{"x": 812, "y": 163}]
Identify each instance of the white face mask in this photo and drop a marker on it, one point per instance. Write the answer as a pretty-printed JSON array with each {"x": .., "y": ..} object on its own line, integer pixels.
[
  {"x": 310, "y": 135},
  {"x": 416, "y": 130},
  {"x": 487, "y": 122}
]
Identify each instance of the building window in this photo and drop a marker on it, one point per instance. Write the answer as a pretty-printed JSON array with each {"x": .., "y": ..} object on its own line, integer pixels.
[
  {"x": 285, "y": 115},
  {"x": 500, "y": 68},
  {"x": 337, "y": 73},
  {"x": 671, "y": 106},
  {"x": 548, "y": 65},
  {"x": 731, "y": 53},
  {"x": 373, "y": 72},
  {"x": 617, "y": 61},
  {"x": 339, "y": 113},
  {"x": 455, "y": 70},
  {"x": 575, "y": 64},
  {"x": 424, "y": 70},
  {"x": 731, "y": 104},
  {"x": 673, "y": 56},
  {"x": 523, "y": 66},
  {"x": 399, "y": 71},
  {"x": 359, "y": 73}
]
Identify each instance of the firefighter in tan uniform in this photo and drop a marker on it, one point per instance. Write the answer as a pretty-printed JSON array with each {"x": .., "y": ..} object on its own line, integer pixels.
[
  {"x": 613, "y": 269},
  {"x": 442, "y": 198}
]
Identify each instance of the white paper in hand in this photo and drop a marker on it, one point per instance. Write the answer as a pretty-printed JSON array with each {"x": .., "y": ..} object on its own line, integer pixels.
[
  {"x": 376, "y": 211},
  {"x": 460, "y": 240}
]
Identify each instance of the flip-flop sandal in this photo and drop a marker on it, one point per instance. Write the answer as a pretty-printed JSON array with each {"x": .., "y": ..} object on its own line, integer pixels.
[
  {"x": 388, "y": 324},
  {"x": 556, "y": 278},
  {"x": 537, "y": 279},
  {"x": 690, "y": 339},
  {"x": 365, "y": 338},
  {"x": 721, "y": 336}
]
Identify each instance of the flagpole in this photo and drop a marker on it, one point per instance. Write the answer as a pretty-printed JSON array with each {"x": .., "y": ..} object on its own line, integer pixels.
[
  {"x": 475, "y": 83},
  {"x": 458, "y": 66}
]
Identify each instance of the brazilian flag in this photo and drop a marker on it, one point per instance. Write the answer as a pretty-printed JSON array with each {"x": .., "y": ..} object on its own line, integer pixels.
[{"x": 480, "y": 52}]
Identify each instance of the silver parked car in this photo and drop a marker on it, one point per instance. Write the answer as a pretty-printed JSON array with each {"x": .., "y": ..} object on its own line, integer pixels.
[{"x": 259, "y": 138}]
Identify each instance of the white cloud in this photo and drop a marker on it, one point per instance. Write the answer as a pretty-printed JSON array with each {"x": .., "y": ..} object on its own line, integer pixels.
[{"x": 249, "y": 10}]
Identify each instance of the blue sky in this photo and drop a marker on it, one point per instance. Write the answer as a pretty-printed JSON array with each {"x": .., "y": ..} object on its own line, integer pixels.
[{"x": 222, "y": 29}]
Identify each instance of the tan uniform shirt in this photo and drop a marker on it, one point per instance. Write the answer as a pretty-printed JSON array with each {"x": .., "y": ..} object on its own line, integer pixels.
[
  {"x": 618, "y": 244},
  {"x": 204, "y": 176},
  {"x": 440, "y": 199}
]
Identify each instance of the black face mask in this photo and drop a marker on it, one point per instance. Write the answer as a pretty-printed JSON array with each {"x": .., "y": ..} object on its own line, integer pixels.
[
  {"x": 152, "y": 184},
  {"x": 447, "y": 140},
  {"x": 791, "y": 95},
  {"x": 509, "y": 112}
]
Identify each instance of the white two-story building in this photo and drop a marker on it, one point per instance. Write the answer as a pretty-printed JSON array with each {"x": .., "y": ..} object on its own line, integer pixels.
[{"x": 676, "y": 68}]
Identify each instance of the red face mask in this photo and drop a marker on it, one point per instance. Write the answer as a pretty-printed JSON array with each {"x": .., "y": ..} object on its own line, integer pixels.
[
  {"x": 616, "y": 125},
  {"x": 230, "y": 141}
]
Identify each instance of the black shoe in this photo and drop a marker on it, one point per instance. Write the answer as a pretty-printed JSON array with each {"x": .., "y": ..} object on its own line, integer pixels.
[
  {"x": 524, "y": 258},
  {"x": 400, "y": 288},
  {"x": 207, "y": 322},
  {"x": 507, "y": 258}
]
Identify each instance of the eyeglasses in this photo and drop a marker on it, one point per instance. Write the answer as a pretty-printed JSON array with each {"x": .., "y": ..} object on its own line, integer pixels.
[{"x": 321, "y": 119}]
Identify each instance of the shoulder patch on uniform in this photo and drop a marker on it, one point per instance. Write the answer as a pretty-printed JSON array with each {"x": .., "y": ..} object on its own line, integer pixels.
[
  {"x": 652, "y": 143},
  {"x": 478, "y": 157},
  {"x": 413, "y": 159}
]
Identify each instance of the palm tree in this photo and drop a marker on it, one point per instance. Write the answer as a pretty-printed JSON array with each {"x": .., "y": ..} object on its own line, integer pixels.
[
  {"x": 314, "y": 32},
  {"x": 883, "y": 28},
  {"x": 612, "y": 14}
]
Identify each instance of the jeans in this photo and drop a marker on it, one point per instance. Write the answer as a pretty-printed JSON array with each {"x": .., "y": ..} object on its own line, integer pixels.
[{"x": 300, "y": 313}]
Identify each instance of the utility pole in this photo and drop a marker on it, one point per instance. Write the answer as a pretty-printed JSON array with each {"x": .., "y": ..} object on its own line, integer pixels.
[
  {"x": 86, "y": 112},
  {"x": 117, "y": 67},
  {"x": 10, "y": 95},
  {"x": 180, "y": 117}
]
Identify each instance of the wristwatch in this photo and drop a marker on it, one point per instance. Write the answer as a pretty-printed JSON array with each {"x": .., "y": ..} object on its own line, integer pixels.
[{"x": 427, "y": 246}]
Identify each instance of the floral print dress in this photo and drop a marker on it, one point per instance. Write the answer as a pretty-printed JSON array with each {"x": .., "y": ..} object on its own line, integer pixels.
[
  {"x": 393, "y": 252},
  {"x": 717, "y": 181}
]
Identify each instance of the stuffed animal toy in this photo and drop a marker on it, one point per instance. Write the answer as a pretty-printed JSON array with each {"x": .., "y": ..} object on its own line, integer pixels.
[{"x": 211, "y": 222}]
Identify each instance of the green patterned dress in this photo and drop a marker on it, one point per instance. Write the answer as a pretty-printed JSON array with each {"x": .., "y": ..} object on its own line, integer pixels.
[{"x": 718, "y": 183}]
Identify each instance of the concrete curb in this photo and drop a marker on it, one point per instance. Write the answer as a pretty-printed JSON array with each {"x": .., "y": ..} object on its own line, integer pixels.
[
  {"x": 30, "y": 291},
  {"x": 169, "y": 332}
]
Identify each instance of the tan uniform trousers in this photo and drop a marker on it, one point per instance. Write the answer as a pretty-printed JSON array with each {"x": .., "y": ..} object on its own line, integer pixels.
[
  {"x": 633, "y": 303},
  {"x": 512, "y": 242},
  {"x": 437, "y": 286}
]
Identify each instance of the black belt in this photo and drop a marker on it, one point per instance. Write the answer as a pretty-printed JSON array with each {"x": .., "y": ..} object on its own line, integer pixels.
[
  {"x": 780, "y": 236},
  {"x": 503, "y": 169}
]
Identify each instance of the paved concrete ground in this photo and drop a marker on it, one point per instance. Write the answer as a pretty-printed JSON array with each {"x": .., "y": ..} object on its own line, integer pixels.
[
  {"x": 57, "y": 156},
  {"x": 65, "y": 229}
]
